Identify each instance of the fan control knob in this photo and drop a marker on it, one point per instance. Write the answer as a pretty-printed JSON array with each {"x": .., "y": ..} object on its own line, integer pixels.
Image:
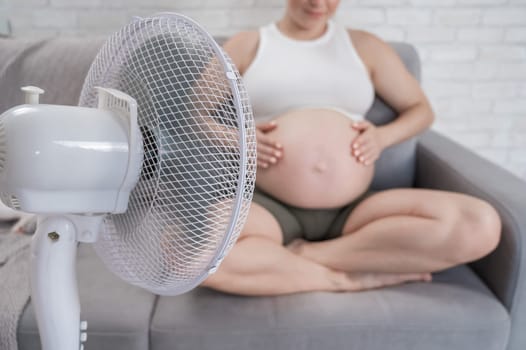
[
  {"x": 83, "y": 325},
  {"x": 32, "y": 94},
  {"x": 83, "y": 337}
]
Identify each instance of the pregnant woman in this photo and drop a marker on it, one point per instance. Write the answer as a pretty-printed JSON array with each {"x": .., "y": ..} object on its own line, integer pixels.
[{"x": 313, "y": 224}]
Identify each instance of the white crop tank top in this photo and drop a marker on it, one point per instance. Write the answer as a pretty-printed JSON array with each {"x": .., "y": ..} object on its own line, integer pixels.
[{"x": 289, "y": 74}]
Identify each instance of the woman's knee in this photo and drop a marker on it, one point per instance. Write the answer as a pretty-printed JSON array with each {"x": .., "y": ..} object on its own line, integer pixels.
[
  {"x": 475, "y": 231},
  {"x": 260, "y": 222},
  {"x": 227, "y": 271},
  {"x": 215, "y": 281}
]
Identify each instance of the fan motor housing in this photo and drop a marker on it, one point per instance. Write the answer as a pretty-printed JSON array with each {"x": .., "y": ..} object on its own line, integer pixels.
[{"x": 63, "y": 159}]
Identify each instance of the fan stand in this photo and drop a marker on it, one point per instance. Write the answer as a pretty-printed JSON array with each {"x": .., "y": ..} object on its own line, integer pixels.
[{"x": 54, "y": 289}]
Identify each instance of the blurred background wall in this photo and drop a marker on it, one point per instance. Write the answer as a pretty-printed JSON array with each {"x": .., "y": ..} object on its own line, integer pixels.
[{"x": 473, "y": 51}]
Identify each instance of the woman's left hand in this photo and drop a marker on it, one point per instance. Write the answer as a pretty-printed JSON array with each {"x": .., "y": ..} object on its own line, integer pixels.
[{"x": 367, "y": 146}]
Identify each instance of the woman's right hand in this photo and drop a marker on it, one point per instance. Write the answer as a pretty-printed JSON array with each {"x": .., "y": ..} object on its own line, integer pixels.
[{"x": 269, "y": 150}]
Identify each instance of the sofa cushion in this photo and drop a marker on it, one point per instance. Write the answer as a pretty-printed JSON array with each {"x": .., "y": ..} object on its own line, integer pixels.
[
  {"x": 455, "y": 311},
  {"x": 118, "y": 314}
]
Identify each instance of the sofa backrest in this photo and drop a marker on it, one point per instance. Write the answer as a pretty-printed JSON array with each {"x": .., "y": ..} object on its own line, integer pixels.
[
  {"x": 56, "y": 65},
  {"x": 59, "y": 66}
]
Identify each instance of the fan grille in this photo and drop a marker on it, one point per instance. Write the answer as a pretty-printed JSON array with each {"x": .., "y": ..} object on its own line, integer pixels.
[{"x": 198, "y": 171}]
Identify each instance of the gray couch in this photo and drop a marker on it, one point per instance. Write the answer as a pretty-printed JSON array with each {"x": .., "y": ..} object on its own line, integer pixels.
[{"x": 481, "y": 306}]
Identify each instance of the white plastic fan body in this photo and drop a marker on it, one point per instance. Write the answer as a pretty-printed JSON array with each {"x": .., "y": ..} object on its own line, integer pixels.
[
  {"x": 63, "y": 159},
  {"x": 71, "y": 165}
]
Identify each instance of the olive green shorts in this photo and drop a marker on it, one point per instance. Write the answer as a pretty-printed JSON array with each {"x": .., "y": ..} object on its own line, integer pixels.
[{"x": 308, "y": 224}]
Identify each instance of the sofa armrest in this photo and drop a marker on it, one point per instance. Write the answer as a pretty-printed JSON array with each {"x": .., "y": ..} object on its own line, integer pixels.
[{"x": 446, "y": 165}]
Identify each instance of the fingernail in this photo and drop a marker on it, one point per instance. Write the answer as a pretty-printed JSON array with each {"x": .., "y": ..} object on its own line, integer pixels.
[
  {"x": 357, "y": 152},
  {"x": 355, "y": 145},
  {"x": 277, "y": 154},
  {"x": 362, "y": 159},
  {"x": 278, "y": 145},
  {"x": 273, "y": 160}
]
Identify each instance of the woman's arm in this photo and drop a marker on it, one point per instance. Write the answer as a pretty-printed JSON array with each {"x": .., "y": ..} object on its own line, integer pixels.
[
  {"x": 397, "y": 87},
  {"x": 242, "y": 49}
]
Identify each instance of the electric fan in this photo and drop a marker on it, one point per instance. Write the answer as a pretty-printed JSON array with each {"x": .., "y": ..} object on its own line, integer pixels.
[{"x": 156, "y": 167}]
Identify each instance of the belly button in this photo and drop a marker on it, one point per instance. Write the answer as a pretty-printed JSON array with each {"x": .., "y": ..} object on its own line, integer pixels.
[{"x": 320, "y": 167}]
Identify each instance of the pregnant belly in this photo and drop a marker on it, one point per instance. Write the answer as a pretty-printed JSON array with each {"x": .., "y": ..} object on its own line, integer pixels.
[{"x": 317, "y": 169}]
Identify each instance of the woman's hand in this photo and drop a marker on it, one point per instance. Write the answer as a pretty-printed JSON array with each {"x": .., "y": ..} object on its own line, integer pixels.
[
  {"x": 269, "y": 150},
  {"x": 367, "y": 146}
]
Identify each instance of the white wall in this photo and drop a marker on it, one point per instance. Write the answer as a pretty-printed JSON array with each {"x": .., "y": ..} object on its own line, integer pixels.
[{"x": 473, "y": 51}]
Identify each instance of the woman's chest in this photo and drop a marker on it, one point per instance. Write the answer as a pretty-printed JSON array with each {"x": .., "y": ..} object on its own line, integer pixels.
[{"x": 285, "y": 85}]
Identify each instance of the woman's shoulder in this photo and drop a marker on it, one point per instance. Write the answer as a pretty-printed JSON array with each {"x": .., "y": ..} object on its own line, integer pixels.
[
  {"x": 369, "y": 46},
  {"x": 242, "y": 48},
  {"x": 367, "y": 41}
]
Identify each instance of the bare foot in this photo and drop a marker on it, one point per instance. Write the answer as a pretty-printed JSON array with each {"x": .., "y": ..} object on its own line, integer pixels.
[
  {"x": 26, "y": 224},
  {"x": 304, "y": 249},
  {"x": 358, "y": 281},
  {"x": 296, "y": 246}
]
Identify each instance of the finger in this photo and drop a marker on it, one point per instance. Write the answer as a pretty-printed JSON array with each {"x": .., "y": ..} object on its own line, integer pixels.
[
  {"x": 262, "y": 164},
  {"x": 361, "y": 139},
  {"x": 274, "y": 143},
  {"x": 269, "y": 141},
  {"x": 364, "y": 159},
  {"x": 266, "y": 127},
  {"x": 367, "y": 156},
  {"x": 361, "y": 159},
  {"x": 261, "y": 137},
  {"x": 363, "y": 149},
  {"x": 361, "y": 125},
  {"x": 356, "y": 154},
  {"x": 357, "y": 158},
  {"x": 263, "y": 125},
  {"x": 357, "y": 142},
  {"x": 267, "y": 158},
  {"x": 367, "y": 151},
  {"x": 269, "y": 150},
  {"x": 358, "y": 124},
  {"x": 363, "y": 143},
  {"x": 266, "y": 154}
]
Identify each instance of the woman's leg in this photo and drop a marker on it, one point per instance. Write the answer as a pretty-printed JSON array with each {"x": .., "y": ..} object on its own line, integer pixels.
[
  {"x": 408, "y": 231},
  {"x": 258, "y": 264}
]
